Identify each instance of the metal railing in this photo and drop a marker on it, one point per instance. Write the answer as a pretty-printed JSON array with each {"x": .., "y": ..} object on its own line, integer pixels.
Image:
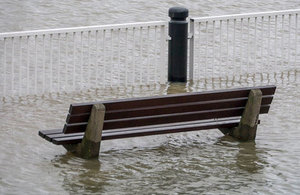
[
  {"x": 68, "y": 59},
  {"x": 233, "y": 45}
]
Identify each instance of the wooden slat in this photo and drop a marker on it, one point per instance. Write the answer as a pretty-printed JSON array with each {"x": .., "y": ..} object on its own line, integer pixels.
[
  {"x": 169, "y": 125},
  {"x": 59, "y": 135},
  {"x": 168, "y": 109},
  {"x": 67, "y": 140},
  {"x": 184, "y": 128},
  {"x": 80, "y": 108},
  {"x": 163, "y": 130},
  {"x": 78, "y": 118},
  {"x": 43, "y": 133},
  {"x": 172, "y": 118},
  {"x": 75, "y": 138},
  {"x": 163, "y": 119},
  {"x": 74, "y": 128},
  {"x": 117, "y": 134}
]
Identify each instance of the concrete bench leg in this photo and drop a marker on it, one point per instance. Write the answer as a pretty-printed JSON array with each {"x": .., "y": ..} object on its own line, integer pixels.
[
  {"x": 90, "y": 144},
  {"x": 246, "y": 130}
]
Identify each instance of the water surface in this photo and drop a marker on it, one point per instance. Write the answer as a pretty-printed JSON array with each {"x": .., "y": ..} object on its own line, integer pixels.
[{"x": 196, "y": 162}]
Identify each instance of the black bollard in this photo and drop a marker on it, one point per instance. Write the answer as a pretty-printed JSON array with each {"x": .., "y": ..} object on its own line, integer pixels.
[{"x": 178, "y": 31}]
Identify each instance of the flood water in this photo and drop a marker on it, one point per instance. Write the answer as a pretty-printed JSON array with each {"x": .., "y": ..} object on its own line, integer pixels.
[{"x": 186, "y": 163}]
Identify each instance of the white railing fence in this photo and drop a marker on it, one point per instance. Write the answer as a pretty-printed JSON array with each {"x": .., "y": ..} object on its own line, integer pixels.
[
  {"x": 62, "y": 60},
  {"x": 234, "y": 45},
  {"x": 71, "y": 59}
]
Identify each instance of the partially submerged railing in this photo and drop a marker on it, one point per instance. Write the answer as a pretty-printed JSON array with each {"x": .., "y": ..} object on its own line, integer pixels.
[
  {"x": 56, "y": 60},
  {"x": 70, "y": 59},
  {"x": 241, "y": 44}
]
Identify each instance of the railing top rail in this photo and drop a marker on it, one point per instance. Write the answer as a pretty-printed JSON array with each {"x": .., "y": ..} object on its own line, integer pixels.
[
  {"x": 82, "y": 29},
  {"x": 247, "y": 15}
]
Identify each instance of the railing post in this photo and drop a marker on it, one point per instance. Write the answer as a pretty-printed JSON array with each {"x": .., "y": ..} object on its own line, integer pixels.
[
  {"x": 178, "y": 32},
  {"x": 191, "y": 57},
  {"x": 162, "y": 55}
]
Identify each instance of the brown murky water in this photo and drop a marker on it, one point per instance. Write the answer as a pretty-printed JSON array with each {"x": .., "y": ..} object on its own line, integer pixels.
[{"x": 196, "y": 162}]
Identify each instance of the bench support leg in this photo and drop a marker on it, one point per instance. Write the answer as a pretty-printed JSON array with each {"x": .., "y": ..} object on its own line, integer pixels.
[
  {"x": 246, "y": 131},
  {"x": 90, "y": 144}
]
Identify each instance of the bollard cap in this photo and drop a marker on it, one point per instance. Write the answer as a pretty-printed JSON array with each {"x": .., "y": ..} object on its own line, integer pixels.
[{"x": 178, "y": 12}]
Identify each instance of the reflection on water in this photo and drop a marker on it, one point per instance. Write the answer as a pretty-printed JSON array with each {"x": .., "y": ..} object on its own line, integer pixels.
[
  {"x": 181, "y": 165},
  {"x": 173, "y": 88},
  {"x": 248, "y": 157},
  {"x": 80, "y": 176}
]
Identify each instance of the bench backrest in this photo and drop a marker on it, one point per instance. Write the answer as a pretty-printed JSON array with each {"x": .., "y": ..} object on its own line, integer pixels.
[{"x": 157, "y": 110}]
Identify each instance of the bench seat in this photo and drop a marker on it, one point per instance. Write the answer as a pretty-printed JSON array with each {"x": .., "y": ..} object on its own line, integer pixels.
[
  {"x": 125, "y": 118},
  {"x": 59, "y": 138}
]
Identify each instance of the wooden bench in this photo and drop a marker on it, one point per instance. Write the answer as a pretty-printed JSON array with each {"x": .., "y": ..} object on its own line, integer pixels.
[{"x": 115, "y": 119}]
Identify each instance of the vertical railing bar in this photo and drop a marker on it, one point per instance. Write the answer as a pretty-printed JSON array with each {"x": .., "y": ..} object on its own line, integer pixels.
[
  {"x": 275, "y": 55},
  {"x": 255, "y": 29},
  {"x": 269, "y": 38},
  {"x": 148, "y": 63},
  {"x": 133, "y": 56},
  {"x": 141, "y": 53},
  {"x": 262, "y": 44},
  {"x": 35, "y": 64},
  {"x": 12, "y": 64},
  {"x": 27, "y": 42},
  {"x": 89, "y": 59},
  {"x": 44, "y": 64},
  {"x": 59, "y": 62},
  {"x": 20, "y": 65},
  {"x": 74, "y": 60},
  {"x": 289, "y": 41},
  {"x": 119, "y": 71},
  {"x": 206, "y": 45},
  {"x": 248, "y": 44},
  {"x": 126, "y": 57},
  {"x": 220, "y": 48},
  {"x": 191, "y": 57},
  {"x": 233, "y": 58},
  {"x": 66, "y": 61},
  {"x": 296, "y": 33},
  {"x": 199, "y": 52},
  {"x": 282, "y": 43},
  {"x": 97, "y": 57},
  {"x": 104, "y": 57},
  {"x": 51, "y": 62},
  {"x": 5, "y": 67},
  {"x": 213, "y": 62},
  {"x": 227, "y": 52},
  {"x": 111, "y": 57},
  {"x": 81, "y": 59},
  {"x": 162, "y": 53},
  {"x": 155, "y": 53},
  {"x": 241, "y": 64}
]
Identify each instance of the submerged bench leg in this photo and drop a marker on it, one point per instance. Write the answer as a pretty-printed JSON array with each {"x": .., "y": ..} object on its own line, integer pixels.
[
  {"x": 246, "y": 130},
  {"x": 90, "y": 144}
]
